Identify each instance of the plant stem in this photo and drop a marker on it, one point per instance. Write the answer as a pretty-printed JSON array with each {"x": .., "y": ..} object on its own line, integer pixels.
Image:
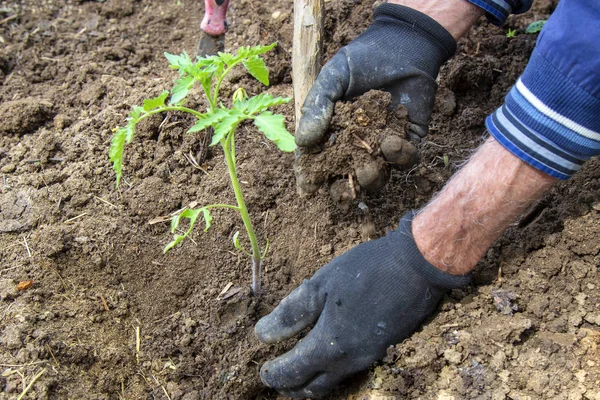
[
  {"x": 172, "y": 108},
  {"x": 256, "y": 256}
]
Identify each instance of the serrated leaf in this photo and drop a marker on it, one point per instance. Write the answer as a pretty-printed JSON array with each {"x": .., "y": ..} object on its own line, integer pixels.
[
  {"x": 117, "y": 147},
  {"x": 257, "y": 68},
  {"x": 263, "y": 101},
  {"x": 122, "y": 136},
  {"x": 273, "y": 126},
  {"x": 181, "y": 88},
  {"x": 192, "y": 215},
  {"x": 209, "y": 120},
  {"x": 181, "y": 62},
  {"x": 159, "y": 101},
  {"x": 536, "y": 26},
  {"x": 227, "y": 58},
  {"x": 244, "y": 52},
  {"x": 226, "y": 125}
]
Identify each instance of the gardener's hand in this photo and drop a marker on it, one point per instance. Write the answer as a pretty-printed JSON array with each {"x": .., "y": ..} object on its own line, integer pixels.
[
  {"x": 363, "y": 301},
  {"x": 401, "y": 52}
]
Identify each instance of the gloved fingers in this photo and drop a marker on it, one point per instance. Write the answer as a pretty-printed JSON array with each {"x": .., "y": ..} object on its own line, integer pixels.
[
  {"x": 320, "y": 386},
  {"x": 330, "y": 86},
  {"x": 297, "y": 311},
  {"x": 416, "y": 92},
  {"x": 299, "y": 366}
]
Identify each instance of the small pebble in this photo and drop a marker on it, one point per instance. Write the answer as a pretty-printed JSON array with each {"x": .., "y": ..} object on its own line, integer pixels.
[
  {"x": 8, "y": 168},
  {"x": 276, "y": 14},
  {"x": 326, "y": 249}
]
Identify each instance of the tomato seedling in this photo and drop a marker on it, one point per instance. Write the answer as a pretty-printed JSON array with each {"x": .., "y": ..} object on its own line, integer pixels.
[{"x": 209, "y": 72}]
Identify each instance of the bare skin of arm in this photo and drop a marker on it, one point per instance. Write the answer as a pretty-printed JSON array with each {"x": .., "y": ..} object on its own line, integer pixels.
[
  {"x": 489, "y": 193},
  {"x": 457, "y": 16}
]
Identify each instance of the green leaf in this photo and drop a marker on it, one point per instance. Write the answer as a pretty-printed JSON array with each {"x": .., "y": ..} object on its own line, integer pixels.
[
  {"x": 117, "y": 147},
  {"x": 273, "y": 126},
  {"x": 245, "y": 52},
  {"x": 181, "y": 62},
  {"x": 156, "y": 102},
  {"x": 228, "y": 58},
  {"x": 536, "y": 26},
  {"x": 210, "y": 120},
  {"x": 263, "y": 101},
  {"x": 257, "y": 68},
  {"x": 123, "y": 135},
  {"x": 236, "y": 241},
  {"x": 226, "y": 125},
  {"x": 192, "y": 215},
  {"x": 181, "y": 88}
]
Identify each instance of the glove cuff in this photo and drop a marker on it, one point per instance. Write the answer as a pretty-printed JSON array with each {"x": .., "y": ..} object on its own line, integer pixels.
[
  {"x": 416, "y": 20},
  {"x": 424, "y": 268}
]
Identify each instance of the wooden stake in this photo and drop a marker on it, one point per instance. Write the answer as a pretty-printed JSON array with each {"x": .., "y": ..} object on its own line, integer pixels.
[{"x": 307, "y": 50}]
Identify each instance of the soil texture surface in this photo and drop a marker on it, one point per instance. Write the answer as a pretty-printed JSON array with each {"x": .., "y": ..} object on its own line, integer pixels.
[{"x": 91, "y": 308}]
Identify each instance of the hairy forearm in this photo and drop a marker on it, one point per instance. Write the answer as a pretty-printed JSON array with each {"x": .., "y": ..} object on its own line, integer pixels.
[
  {"x": 491, "y": 191},
  {"x": 457, "y": 16}
]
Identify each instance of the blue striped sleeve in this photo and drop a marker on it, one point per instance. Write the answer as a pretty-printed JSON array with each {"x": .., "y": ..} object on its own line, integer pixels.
[
  {"x": 498, "y": 10},
  {"x": 551, "y": 117}
]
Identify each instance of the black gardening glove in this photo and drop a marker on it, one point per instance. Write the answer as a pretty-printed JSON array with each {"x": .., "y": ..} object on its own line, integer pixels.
[
  {"x": 401, "y": 52},
  {"x": 363, "y": 301}
]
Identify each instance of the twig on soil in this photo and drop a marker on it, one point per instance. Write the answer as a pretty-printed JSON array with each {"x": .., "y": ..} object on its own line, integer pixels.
[
  {"x": 500, "y": 272},
  {"x": 35, "y": 378},
  {"x": 183, "y": 232},
  {"x": 162, "y": 387},
  {"x": 81, "y": 32},
  {"x": 7, "y": 19},
  {"x": 6, "y": 311},
  {"x": 27, "y": 246},
  {"x": 74, "y": 218},
  {"x": 23, "y": 365},
  {"x": 138, "y": 343},
  {"x": 192, "y": 160},
  {"x": 449, "y": 326},
  {"x": 105, "y": 201},
  {"x": 363, "y": 144},
  {"x": 59, "y": 277},
  {"x": 52, "y": 354},
  {"x": 352, "y": 188},
  {"x": 104, "y": 304},
  {"x": 266, "y": 220}
]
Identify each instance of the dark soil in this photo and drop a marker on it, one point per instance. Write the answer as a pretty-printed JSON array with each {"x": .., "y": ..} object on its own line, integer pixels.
[{"x": 109, "y": 316}]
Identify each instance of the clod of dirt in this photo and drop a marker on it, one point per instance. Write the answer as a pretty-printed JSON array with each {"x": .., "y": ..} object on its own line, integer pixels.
[
  {"x": 372, "y": 176},
  {"x": 356, "y": 133},
  {"x": 341, "y": 194},
  {"x": 503, "y": 300},
  {"x": 20, "y": 117},
  {"x": 17, "y": 213},
  {"x": 399, "y": 152},
  {"x": 8, "y": 289}
]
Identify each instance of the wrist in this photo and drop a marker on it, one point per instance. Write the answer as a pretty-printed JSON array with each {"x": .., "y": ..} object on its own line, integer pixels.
[
  {"x": 456, "y": 16},
  {"x": 490, "y": 192}
]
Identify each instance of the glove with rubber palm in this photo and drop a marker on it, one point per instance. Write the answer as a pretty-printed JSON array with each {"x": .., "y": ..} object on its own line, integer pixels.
[
  {"x": 363, "y": 301},
  {"x": 401, "y": 52}
]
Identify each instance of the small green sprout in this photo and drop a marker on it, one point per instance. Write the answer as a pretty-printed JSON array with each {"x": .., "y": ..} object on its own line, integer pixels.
[
  {"x": 511, "y": 33},
  {"x": 209, "y": 72},
  {"x": 536, "y": 26}
]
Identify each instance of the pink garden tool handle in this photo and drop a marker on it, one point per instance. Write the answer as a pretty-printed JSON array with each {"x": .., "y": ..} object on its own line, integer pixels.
[{"x": 215, "y": 17}]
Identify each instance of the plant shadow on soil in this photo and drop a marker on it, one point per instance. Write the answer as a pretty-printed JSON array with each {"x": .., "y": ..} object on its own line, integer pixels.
[{"x": 69, "y": 73}]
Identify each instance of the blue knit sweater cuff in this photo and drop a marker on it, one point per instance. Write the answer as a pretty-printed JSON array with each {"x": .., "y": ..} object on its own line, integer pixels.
[
  {"x": 548, "y": 121},
  {"x": 497, "y": 11}
]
